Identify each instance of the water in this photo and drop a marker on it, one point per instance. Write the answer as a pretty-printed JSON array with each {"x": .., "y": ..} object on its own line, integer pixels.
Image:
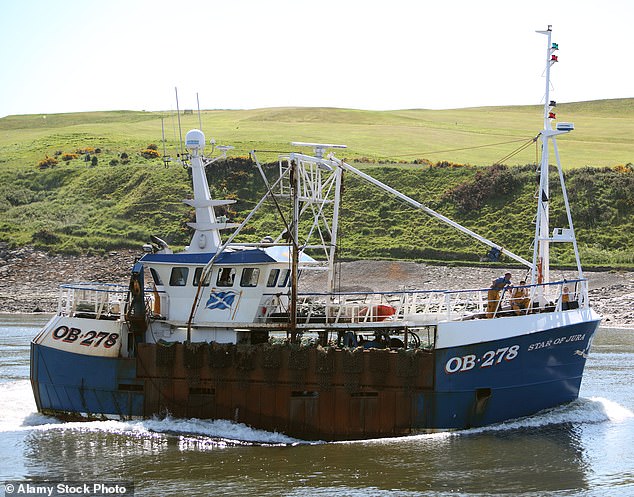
[{"x": 583, "y": 449}]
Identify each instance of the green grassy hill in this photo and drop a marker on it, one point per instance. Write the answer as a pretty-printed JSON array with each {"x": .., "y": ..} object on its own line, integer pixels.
[
  {"x": 604, "y": 134},
  {"x": 110, "y": 196}
]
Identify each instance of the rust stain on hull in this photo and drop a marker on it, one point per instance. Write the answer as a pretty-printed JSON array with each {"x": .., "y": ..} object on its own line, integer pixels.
[{"x": 305, "y": 392}]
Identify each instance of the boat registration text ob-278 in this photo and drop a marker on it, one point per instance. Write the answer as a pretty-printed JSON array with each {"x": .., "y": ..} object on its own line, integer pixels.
[{"x": 221, "y": 330}]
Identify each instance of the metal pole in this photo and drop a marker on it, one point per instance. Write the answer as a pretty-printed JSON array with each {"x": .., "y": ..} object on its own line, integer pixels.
[
  {"x": 180, "y": 130},
  {"x": 295, "y": 184},
  {"x": 568, "y": 213},
  {"x": 334, "y": 229}
]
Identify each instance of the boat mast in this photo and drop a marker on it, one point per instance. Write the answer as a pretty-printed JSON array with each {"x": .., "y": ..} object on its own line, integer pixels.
[
  {"x": 541, "y": 250},
  {"x": 543, "y": 238},
  {"x": 320, "y": 181},
  {"x": 207, "y": 227}
]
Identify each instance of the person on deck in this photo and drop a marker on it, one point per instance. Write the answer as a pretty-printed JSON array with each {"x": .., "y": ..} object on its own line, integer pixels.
[
  {"x": 519, "y": 299},
  {"x": 565, "y": 299},
  {"x": 493, "y": 295}
]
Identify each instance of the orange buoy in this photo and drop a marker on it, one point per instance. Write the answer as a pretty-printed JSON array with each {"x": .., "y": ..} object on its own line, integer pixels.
[{"x": 379, "y": 312}]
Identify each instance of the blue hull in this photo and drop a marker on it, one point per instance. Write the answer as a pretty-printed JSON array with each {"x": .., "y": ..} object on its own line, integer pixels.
[
  {"x": 71, "y": 385},
  {"x": 467, "y": 386},
  {"x": 487, "y": 383}
]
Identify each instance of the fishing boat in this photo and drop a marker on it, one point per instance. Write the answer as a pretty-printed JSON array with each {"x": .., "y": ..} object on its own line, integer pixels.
[{"x": 221, "y": 330}]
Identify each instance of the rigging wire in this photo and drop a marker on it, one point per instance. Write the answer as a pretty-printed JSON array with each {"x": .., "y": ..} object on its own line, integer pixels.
[
  {"x": 411, "y": 154},
  {"x": 518, "y": 149},
  {"x": 272, "y": 151},
  {"x": 460, "y": 149},
  {"x": 537, "y": 150}
]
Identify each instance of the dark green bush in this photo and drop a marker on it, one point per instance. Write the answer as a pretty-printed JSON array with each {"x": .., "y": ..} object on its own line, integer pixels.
[
  {"x": 45, "y": 236},
  {"x": 490, "y": 182}
]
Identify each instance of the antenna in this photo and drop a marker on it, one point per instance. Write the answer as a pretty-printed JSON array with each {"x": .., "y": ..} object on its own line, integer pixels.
[
  {"x": 200, "y": 121},
  {"x": 318, "y": 148},
  {"x": 166, "y": 159},
  {"x": 180, "y": 131}
]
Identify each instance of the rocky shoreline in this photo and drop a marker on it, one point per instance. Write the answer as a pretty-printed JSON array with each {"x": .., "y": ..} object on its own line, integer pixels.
[{"x": 30, "y": 279}]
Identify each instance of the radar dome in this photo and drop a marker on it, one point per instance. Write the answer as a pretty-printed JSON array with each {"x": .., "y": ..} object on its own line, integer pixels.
[{"x": 195, "y": 139}]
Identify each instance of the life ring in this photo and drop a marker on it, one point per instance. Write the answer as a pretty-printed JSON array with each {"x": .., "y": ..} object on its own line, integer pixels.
[{"x": 380, "y": 312}]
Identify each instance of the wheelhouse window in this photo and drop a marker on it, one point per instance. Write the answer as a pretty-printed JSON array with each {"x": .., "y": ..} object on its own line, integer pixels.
[
  {"x": 197, "y": 274},
  {"x": 250, "y": 276},
  {"x": 156, "y": 277},
  {"x": 226, "y": 276},
  {"x": 283, "y": 281},
  {"x": 179, "y": 276},
  {"x": 272, "y": 277}
]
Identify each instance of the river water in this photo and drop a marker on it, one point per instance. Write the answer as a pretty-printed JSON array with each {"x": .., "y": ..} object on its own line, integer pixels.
[{"x": 583, "y": 449}]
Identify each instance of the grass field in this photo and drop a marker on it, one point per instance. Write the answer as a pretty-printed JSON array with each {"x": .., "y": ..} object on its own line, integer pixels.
[{"x": 604, "y": 134}]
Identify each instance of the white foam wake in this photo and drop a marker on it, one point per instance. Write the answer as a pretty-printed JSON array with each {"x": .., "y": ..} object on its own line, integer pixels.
[
  {"x": 20, "y": 414},
  {"x": 582, "y": 411},
  {"x": 18, "y": 406}
]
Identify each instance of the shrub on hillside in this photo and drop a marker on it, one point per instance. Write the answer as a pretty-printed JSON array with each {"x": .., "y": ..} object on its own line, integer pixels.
[
  {"x": 68, "y": 156},
  {"x": 47, "y": 162},
  {"x": 496, "y": 180},
  {"x": 150, "y": 153},
  {"x": 601, "y": 195},
  {"x": 85, "y": 150},
  {"x": 45, "y": 236},
  {"x": 446, "y": 163},
  {"x": 365, "y": 160},
  {"x": 624, "y": 169},
  {"x": 424, "y": 162}
]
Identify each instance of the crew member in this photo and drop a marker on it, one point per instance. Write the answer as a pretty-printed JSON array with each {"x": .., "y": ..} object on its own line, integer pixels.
[
  {"x": 493, "y": 295},
  {"x": 565, "y": 299},
  {"x": 519, "y": 299}
]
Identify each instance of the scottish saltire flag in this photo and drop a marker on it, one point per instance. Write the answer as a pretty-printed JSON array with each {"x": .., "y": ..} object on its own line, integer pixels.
[{"x": 221, "y": 300}]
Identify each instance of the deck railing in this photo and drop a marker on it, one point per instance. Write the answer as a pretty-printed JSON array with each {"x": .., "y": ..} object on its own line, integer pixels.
[
  {"x": 425, "y": 307},
  {"x": 106, "y": 301},
  {"x": 400, "y": 308},
  {"x": 93, "y": 300}
]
